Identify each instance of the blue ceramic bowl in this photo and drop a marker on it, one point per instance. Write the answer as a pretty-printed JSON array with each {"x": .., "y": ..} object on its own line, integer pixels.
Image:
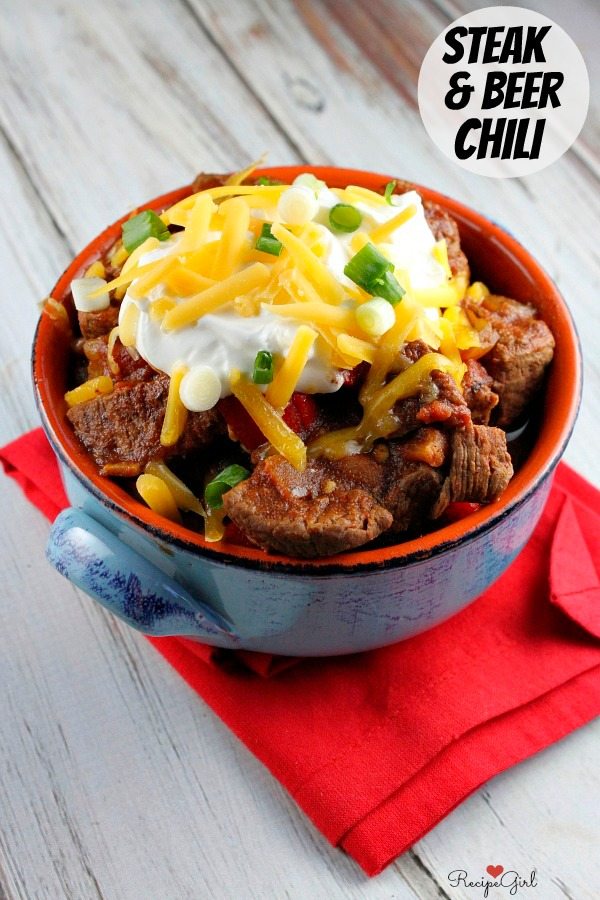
[{"x": 163, "y": 579}]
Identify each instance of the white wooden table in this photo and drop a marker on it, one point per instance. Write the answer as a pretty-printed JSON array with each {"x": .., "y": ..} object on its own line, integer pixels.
[{"x": 115, "y": 780}]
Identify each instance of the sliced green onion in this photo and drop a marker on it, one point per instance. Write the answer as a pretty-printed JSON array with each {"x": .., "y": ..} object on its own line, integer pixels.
[
  {"x": 223, "y": 482},
  {"x": 264, "y": 180},
  {"x": 389, "y": 288},
  {"x": 367, "y": 265},
  {"x": 307, "y": 179},
  {"x": 146, "y": 224},
  {"x": 389, "y": 190},
  {"x": 267, "y": 243},
  {"x": 264, "y": 368},
  {"x": 370, "y": 270},
  {"x": 345, "y": 217},
  {"x": 375, "y": 317}
]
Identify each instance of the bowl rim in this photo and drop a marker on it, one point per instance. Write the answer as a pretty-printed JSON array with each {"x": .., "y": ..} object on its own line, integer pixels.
[{"x": 549, "y": 447}]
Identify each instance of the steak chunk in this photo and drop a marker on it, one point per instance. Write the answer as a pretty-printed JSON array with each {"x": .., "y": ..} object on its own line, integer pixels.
[
  {"x": 402, "y": 475},
  {"x": 517, "y": 364},
  {"x": 443, "y": 226},
  {"x": 410, "y": 491},
  {"x": 303, "y": 514},
  {"x": 125, "y": 426},
  {"x": 448, "y": 406},
  {"x": 478, "y": 393},
  {"x": 518, "y": 360},
  {"x": 95, "y": 324},
  {"x": 441, "y": 401},
  {"x": 480, "y": 467},
  {"x": 427, "y": 445},
  {"x": 205, "y": 180}
]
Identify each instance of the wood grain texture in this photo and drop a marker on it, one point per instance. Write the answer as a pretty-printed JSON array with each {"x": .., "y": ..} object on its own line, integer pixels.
[{"x": 115, "y": 780}]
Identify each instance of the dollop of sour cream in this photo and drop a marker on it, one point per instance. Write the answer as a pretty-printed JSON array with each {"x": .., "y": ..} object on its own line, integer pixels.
[{"x": 224, "y": 340}]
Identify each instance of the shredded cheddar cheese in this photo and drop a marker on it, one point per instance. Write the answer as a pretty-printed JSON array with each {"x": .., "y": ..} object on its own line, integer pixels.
[
  {"x": 234, "y": 238},
  {"x": 359, "y": 350},
  {"x": 155, "y": 492},
  {"x": 238, "y": 177},
  {"x": 382, "y": 232},
  {"x": 214, "y": 525},
  {"x": 284, "y": 384},
  {"x": 95, "y": 387},
  {"x": 197, "y": 225},
  {"x": 175, "y": 412},
  {"x": 317, "y": 314},
  {"x": 183, "y": 281},
  {"x": 158, "y": 308},
  {"x": 128, "y": 323},
  {"x": 440, "y": 254},
  {"x": 183, "y": 496},
  {"x": 118, "y": 255},
  {"x": 309, "y": 264},
  {"x": 275, "y": 430},
  {"x": 112, "y": 338},
  {"x": 96, "y": 270},
  {"x": 378, "y": 420},
  {"x": 212, "y": 298}
]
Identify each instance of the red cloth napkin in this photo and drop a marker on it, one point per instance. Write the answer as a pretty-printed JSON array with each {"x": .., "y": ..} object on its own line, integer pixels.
[{"x": 378, "y": 747}]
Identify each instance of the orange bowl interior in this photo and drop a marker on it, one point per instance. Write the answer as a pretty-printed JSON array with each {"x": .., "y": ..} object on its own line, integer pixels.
[{"x": 499, "y": 260}]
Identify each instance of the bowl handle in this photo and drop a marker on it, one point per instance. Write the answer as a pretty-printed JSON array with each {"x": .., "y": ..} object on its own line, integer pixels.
[{"x": 127, "y": 584}]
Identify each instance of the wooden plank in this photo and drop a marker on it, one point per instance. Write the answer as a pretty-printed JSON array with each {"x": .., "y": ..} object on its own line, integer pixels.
[
  {"x": 31, "y": 258},
  {"x": 122, "y": 105}
]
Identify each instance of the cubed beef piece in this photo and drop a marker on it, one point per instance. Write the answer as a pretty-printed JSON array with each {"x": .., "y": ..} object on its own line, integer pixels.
[
  {"x": 519, "y": 358},
  {"x": 411, "y": 490},
  {"x": 480, "y": 467},
  {"x": 517, "y": 364},
  {"x": 448, "y": 406},
  {"x": 478, "y": 393},
  {"x": 303, "y": 514},
  {"x": 412, "y": 351},
  {"x": 501, "y": 311},
  {"x": 95, "y": 324},
  {"x": 441, "y": 401},
  {"x": 205, "y": 180},
  {"x": 125, "y": 426},
  {"x": 443, "y": 226},
  {"x": 130, "y": 364}
]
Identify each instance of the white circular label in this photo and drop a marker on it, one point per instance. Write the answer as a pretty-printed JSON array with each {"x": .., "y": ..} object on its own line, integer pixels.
[{"x": 503, "y": 91}]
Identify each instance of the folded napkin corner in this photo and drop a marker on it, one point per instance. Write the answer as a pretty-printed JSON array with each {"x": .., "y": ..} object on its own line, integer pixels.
[{"x": 574, "y": 579}]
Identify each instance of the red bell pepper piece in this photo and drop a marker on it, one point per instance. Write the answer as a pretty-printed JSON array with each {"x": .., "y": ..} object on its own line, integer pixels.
[
  {"x": 301, "y": 413},
  {"x": 234, "y": 535},
  {"x": 241, "y": 425},
  {"x": 459, "y": 510},
  {"x": 354, "y": 376}
]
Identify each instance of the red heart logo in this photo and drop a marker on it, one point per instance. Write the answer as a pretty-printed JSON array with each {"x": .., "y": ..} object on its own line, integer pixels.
[{"x": 494, "y": 871}]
